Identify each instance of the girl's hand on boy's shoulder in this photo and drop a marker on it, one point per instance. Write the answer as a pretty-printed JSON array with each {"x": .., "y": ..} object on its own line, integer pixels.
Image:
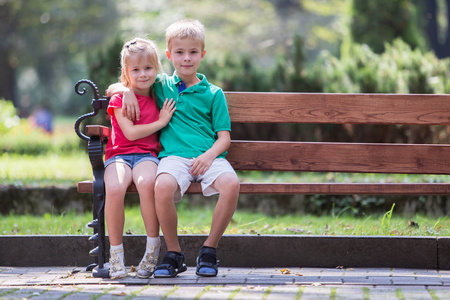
[{"x": 166, "y": 112}]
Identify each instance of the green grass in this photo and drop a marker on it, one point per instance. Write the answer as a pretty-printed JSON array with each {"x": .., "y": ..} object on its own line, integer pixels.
[
  {"x": 197, "y": 221},
  {"x": 45, "y": 169},
  {"x": 32, "y": 158}
]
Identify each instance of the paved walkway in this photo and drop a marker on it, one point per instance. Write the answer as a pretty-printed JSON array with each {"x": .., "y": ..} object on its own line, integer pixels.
[{"x": 232, "y": 283}]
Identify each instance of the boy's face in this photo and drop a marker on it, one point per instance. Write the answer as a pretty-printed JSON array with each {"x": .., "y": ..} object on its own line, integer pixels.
[{"x": 186, "y": 55}]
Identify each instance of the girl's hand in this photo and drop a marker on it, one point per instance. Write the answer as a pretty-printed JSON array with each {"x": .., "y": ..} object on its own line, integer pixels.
[{"x": 166, "y": 112}]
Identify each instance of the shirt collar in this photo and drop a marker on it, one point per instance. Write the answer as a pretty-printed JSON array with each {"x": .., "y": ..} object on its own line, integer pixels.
[{"x": 199, "y": 87}]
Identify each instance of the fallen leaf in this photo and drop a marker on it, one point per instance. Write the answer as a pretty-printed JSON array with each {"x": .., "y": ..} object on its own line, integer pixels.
[
  {"x": 293, "y": 229},
  {"x": 298, "y": 274},
  {"x": 339, "y": 267},
  {"x": 413, "y": 224},
  {"x": 133, "y": 269},
  {"x": 285, "y": 271}
]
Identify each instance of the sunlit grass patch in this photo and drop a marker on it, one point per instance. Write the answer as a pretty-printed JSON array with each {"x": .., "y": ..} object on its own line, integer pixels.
[{"x": 198, "y": 221}]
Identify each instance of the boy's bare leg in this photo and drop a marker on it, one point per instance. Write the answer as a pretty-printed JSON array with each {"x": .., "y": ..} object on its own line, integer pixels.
[
  {"x": 227, "y": 184},
  {"x": 165, "y": 188},
  {"x": 117, "y": 179}
]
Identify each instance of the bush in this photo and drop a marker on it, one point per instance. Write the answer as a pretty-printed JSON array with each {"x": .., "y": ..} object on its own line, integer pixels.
[
  {"x": 399, "y": 69},
  {"x": 8, "y": 116},
  {"x": 26, "y": 139}
]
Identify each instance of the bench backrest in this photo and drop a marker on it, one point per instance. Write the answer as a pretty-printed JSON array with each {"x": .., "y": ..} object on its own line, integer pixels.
[{"x": 384, "y": 109}]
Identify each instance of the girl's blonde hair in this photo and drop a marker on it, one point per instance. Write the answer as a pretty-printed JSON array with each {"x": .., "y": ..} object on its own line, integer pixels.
[
  {"x": 186, "y": 28},
  {"x": 145, "y": 49}
]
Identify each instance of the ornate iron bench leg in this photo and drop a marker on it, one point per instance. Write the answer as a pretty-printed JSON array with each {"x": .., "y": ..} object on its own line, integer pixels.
[{"x": 95, "y": 149}]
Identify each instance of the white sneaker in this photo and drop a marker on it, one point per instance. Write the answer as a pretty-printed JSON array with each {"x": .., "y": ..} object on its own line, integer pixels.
[
  {"x": 148, "y": 263},
  {"x": 116, "y": 265}
]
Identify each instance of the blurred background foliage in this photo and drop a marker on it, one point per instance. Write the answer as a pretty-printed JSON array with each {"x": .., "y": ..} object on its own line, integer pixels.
[
  {"x": 336, "y": 46},
  {"x": 331, "y": 46}
]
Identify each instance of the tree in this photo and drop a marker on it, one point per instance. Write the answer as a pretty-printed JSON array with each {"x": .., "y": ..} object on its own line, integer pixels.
[
  {"x": 43, "y": 42},
  {"x": 378, "y": 22},
  {"x": 440, "y": 43}
]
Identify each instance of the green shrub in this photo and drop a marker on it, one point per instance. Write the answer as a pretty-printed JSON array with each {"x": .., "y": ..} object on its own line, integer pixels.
[
  {"x": 8, "y": 116},
  {"x": 399, "y": 69},
  {"x": 28, "y": 139}
]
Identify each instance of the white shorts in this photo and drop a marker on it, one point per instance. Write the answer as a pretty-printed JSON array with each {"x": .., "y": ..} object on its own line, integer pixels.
[{"x": 179, "y": 168}]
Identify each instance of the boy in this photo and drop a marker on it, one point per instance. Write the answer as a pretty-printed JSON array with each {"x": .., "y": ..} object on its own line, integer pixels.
[{"x": 193, "y": 147}]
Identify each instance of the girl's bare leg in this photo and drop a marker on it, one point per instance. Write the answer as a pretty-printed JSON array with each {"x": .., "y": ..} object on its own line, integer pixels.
[{"x": 118, "y": 177}]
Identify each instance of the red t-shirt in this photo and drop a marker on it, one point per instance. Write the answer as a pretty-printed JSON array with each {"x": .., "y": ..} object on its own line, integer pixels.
[{"x": 118, "y": 143}]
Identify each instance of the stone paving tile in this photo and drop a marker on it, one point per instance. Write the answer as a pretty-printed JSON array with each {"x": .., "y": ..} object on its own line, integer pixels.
[
  {"x": 157, "y": 292},
  {"x": 440, "y": 292},
  {"x": 284, "y": 292},
  {"x": 367, "y": 280},
  {"x": 251, "y": 292},
  {"x": 347, "y": 292},
  {"x": 245, "y": 283},
  {"x": 414, "y": 293},
  {"x": 316, "y": 292},
  {"x": 416, "y": 281},
  {"x": 221, "y": 292}
]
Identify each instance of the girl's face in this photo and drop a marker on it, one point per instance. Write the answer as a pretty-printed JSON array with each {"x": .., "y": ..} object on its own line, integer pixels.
[
  {"x": 186, "y": 55},
  {"x": 141, "y": 74}
]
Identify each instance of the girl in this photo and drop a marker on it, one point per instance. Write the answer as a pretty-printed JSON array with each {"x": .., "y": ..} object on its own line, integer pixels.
[{"x": 131, "y": 154}]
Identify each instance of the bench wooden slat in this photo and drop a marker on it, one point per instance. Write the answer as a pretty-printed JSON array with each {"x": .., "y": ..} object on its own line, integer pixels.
[
  {"x": 319, "y": 188},
  {"x": 416, "y": 109},
  {"x": 340, "y": 157},
  {"x": 97, "y": 130}
]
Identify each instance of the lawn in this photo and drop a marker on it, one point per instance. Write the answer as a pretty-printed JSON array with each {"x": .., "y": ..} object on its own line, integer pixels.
[
  {"x": 32, "y": 158},
  {"x": 197, "y": 221}
]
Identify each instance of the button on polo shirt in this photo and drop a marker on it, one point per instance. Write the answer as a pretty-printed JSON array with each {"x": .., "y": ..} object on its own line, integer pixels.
[{"x": 201, "y": 112}]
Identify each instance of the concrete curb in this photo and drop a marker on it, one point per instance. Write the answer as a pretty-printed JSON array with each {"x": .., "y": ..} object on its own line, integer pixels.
[{"x": 246, "y": 251}]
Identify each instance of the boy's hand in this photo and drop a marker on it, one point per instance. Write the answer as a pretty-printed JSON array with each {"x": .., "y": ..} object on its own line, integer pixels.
[
  {"x": 201, "y": 164},
  {"x": 130, "y": 106},
  {"x": 166, "y": 112},
  {"x": 116, "y": 88}
]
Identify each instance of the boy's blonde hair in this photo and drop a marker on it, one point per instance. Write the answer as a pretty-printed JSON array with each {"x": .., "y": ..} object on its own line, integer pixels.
[
  {"x": 145, "y": 49},
  {"x": 186, "y": 28}
]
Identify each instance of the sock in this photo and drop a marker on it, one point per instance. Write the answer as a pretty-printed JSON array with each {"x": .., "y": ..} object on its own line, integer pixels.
[
  {"x": 153, "y": 241},
  {"x": 152, "y": 247},
  {"x": 116, "y": 248}
]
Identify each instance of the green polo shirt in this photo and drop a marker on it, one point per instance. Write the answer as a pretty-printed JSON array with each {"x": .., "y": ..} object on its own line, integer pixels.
[{"x": 201, "y": 112}]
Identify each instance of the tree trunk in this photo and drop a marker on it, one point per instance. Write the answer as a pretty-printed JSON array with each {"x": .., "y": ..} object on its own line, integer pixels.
[
  {"x": 441, "y": 48},
  {"x": 6, "y": 78}
]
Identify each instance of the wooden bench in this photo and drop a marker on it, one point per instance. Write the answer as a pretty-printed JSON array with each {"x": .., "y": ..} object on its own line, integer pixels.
[{"x": 305, "y": 156}]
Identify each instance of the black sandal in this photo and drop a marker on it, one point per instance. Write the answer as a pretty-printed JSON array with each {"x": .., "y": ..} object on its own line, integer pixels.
[
  {"x": 167, "y": 268},
  {"x": 207, "y": 263}
]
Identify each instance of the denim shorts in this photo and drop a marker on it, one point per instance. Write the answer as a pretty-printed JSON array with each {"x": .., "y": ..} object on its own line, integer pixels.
[{"x": 132, "y": 160}]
